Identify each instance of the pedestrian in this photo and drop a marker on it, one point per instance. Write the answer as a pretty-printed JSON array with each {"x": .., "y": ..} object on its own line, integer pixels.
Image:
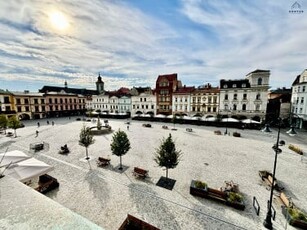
[
  {"x": 47, "y": 122},
  {"x": 127, "y": 127},
  {"x": 38, "y": 124},
  {"x": 36, "y": 133},
  {"x": 52, "y": 123}
]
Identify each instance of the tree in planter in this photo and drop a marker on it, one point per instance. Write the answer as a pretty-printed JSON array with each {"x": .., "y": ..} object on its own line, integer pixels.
[
  {"x": 86, "y": 139},
  {"x": 14, "y": 123},
  {"x": 120, "y": 145},
  {"x": 166, "y": 155},
  {"x": 3, "y": 122}
]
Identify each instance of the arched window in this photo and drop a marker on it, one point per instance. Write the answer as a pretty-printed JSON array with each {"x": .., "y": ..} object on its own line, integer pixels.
[
  {"x": 234, "y": 107},
  {"x": 244, "y": 107},
  {"x": 259, "y": 81},
  {"x": 258, "y": 96}
]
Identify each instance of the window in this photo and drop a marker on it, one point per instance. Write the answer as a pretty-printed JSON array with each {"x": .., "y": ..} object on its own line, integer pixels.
[
  {"x": 42, "y": 101},
  {"x": 257, "y": 107},
  {"x": 175, "y": 99},
  {"x": 302, "y": 100},
  {"x": 244, "y": 96},
  {"x": 226, "y": 96},
  {"x": 235, "y": 96},
  {"x": 18, "y": 101},
  {"x": 244, "y": 107},
  {"x": 141, "y": 99},
  {"x": 56, "y": 101},
  {"x": 35, "y": 101},
  {"x": 209, "y": 109},
  {"x": 259, "y": 81},
  {"x": 19, "y": 109},
  {"x": 7, "y": 108},
  {"x": 144, "y": 100},
  {"x": 234, "y": 107},
  {"x": 301, "y": 110},
  {"x": 36, "y": 109},
  {"x": 234, "y": 85},
  {"x": 26, "y": 102},
  {"x": 43, "y": 108},
  {"x": 298, "y": 89},
  {"x": 225, "y": 86},
  {"x": 6, "y": 100},
  {"x": 27, "y": 108},
  {"x": 304, "y": 87},
  {"x": 243, "y": 85},
  {"x": 258, "y": 96}
]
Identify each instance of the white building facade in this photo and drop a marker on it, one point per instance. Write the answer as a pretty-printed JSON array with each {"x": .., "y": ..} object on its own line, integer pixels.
[
  {"x": 182, "y": 101},
  {"x": 245, "y": 98},
  {"x": 143, "y": 102},
  {"x": 299, "y": 100}
]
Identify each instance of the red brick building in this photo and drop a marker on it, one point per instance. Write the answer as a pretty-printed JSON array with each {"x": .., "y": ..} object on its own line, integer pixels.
[{"x": 165, "y": 86}]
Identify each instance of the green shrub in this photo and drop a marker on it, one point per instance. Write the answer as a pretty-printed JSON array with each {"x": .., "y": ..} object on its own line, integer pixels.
[
  {"x": 296, "y": 149},
  {"x": 296, "y": 214},
  {"x": 235, "y": 197},
  {"x": 201, "y": 185}
]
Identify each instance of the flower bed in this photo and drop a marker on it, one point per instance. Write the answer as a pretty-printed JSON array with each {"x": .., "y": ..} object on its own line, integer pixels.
[
  {"x": 295, "y": 217},
  {"x": 296, "y": 149}
]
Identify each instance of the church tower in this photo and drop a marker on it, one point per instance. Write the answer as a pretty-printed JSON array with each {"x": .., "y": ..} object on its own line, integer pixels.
[{"x": 99, "y": 85}]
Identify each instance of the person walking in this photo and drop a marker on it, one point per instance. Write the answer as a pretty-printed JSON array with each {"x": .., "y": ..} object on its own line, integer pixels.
[
  {"x": 127, "y": 127},
  {"x": 52, "y": 123},
  {"x": 38, "y": 124},
  {"x": 47, "y": 122},
  {"x": 36, "y": 133}
]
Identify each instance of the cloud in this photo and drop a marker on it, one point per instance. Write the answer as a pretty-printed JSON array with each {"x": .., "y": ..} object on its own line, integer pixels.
[{"x": 202, "y": 41}]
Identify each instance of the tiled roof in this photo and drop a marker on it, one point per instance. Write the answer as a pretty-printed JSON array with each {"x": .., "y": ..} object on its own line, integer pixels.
[
  {"x": 68, "y": 90},
  {"x": 170, "y": 77},
  {"x": 184, "y": 90},
  {"x": 259, "y": 71}
]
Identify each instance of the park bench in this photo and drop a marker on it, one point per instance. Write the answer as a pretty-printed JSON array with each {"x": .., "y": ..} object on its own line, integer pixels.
[
  {"x": 268, "y": 179},
  {"x": 139, "y": 172},
  {"x": 285, "y": 200},
  {"x": 101, "y": 162}
]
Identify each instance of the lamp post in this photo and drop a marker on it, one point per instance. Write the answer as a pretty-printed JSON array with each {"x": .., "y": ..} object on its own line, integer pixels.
[
  {"x": 268, "y": 220},
  {"x": 226, "y": 109}
]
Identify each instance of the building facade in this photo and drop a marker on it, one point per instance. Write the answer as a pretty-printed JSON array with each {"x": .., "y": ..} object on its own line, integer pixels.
[
  {"x": 7, "y": 104},
  {"x": 205, "y": 101},
  {"x": 182, "y": 101},
  {"x": 299, "y": 100},
  {"x": 245, "y": 98},
  {"x": 166, "y": 85},
  {"x": 143, "y": 102}
]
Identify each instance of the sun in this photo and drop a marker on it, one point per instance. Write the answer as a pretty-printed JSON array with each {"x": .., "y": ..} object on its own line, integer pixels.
[{"x": 58, "y": 20}]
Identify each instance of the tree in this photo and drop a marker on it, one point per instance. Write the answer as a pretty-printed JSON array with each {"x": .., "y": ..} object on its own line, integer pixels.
[
  {"x": 14, "y": 123},
  {"x": 3, "y": 122},
  {"x": 120, "y": 145},
  {"x": 86, "y": 139},
  {"x": 167, "y": 155}
]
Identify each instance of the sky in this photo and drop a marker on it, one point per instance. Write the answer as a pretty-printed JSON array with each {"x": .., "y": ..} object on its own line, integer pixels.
[{"x": 131, "y": 42}]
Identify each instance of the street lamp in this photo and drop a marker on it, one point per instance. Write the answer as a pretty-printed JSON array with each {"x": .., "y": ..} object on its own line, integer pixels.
[{"x": 268, "y": 220}]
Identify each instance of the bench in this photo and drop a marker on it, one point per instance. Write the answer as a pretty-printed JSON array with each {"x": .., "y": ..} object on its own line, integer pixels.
[
  {"x": 139, "y": 172},
  {"x": 101, "y": 162},
  {"x": 285, "y": 200},
  {"x": 189, "y": 130}
]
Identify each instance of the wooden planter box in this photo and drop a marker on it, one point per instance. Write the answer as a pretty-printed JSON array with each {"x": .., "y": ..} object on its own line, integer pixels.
[
  {"x": 198, "y": 191},
  {"x": 236, "y": 205},
  {"x": 134, "y": 223},
  {"x": 294, "y": 222}
]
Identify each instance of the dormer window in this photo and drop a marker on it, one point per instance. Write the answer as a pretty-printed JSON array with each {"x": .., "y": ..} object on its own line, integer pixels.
[
  {"x": 225, "y": 86},
  {"x": 243, "y": 85},
  {"x": 234, "y": 85},
  {"x": 259, "y": 81}
]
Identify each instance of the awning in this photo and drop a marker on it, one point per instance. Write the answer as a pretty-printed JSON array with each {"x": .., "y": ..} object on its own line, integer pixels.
[
  {"x": 250, "y": 121},
  {"x": 12, "y": 156},
  {"x": 28, "y": 169}
]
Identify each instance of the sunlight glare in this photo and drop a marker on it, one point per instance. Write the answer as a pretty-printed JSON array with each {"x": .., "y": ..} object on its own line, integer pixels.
[{"x": 58, "y": 20}]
